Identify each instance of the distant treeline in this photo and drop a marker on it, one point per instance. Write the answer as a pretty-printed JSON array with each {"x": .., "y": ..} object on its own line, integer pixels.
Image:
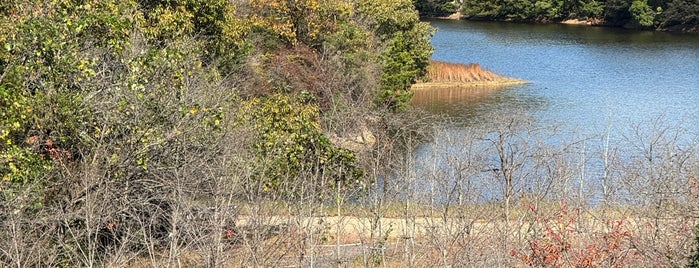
[{"x": 673, "y": 15}]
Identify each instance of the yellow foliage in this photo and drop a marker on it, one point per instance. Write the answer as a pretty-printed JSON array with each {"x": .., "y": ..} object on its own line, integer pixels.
[
  {"x": 235, "y": 29},
  {"x": 299, "y": 20},
  {"x": 169, "y": 22}
]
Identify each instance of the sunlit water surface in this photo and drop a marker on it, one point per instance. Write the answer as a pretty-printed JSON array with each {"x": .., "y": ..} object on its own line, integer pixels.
[
  {"x": 584, "y": 77},
  {"x": 585, "y": 81}
]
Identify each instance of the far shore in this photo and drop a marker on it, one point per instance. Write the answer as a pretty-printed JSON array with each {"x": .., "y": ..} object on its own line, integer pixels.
[
  {"x": 457, "y": 16},
  {"x": 474, "y": 84}
]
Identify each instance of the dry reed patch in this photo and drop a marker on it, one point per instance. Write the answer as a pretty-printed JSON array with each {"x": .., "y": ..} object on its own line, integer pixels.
[
  {"x": 444, "y": 74},
  {"x": 439, "y": 71}
]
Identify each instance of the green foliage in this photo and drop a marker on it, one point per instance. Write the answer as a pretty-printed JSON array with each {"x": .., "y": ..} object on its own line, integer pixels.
[
  {"x": 49, "y": 54},
  {"x": 435, "y": 8},
  {"x": 642, "y": 13},
  {"x": 290, "y": 142},
  {"x": 548, "y": 10},
  {"x": 304, "y": 21},
  {"x": 20, "y": 166},
  {"x": 63, "y": 60},
  {"x": 14, "y": 111},
  {"x": 352, "y": 42},
  {"x": 489, "y": 10},
  {"x": 215, "y": 22},
  {"x": 616, "y": 12},
  {"x": 360, "y": 34},
  {"x": 23, "y": 174},
  {"x": 138, "y": 98},
  {"x": 682, "y": 15},
  {"x": 521, "y": 10},
  {"x": 591, "y": 9},
  {"x": 66, "y": 63},
  {"x": 169, "y": 20},
  {"x": 407, "y": 48},
  {"x": 164, "y": 108},
  {"x": 388, "y": 18},
  {"x": 399, "y": 72}
]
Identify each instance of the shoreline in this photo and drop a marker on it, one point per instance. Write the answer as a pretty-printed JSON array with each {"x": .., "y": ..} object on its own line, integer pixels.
[
  {"x": 457, "y": 16},
  {"x": 580, "y": 22},
  {"x": 475, "y": 84}
]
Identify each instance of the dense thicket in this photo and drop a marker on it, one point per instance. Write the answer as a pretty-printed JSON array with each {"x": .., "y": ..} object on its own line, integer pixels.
[
  {"x": 435, "y": 8},
  {"x": 117, "y": 115},
  {"x": 676, "y": 15},
  {"x": 217, "y": 133}
]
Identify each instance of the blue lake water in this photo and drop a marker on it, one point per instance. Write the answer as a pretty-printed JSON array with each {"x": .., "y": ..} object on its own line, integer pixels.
[
  {"x": 587, "y": 78},
  {"x": 597, "y": 87}
]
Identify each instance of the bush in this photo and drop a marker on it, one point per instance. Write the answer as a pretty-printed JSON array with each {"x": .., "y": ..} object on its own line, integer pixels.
[
  {"x": 642, "y": 13},
  {"x": 694, "y": 259},
  {"x": 291, "y": 144}
]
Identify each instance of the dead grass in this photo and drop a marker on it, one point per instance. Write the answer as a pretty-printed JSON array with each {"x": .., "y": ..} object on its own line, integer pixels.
[
  {"x": 439, "y": 71},
  {"x": 444, "y": 74}
]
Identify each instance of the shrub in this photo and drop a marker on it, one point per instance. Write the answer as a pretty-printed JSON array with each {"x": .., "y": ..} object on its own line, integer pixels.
[
  {"x": 291, "y": 143},
  {"x": 694, "y": 259}
]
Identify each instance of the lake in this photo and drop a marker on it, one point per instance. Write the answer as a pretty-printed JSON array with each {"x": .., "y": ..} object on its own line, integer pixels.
[
  {"x": 583, "y": 81},
  {"x": 583, "y": 77}
]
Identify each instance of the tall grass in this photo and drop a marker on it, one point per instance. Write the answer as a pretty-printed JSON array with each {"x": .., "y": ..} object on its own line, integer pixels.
[{"x": 439, "y": 71}]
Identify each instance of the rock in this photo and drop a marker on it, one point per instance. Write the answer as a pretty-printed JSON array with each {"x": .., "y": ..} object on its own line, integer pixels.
[{"x": 361, "y": 140}]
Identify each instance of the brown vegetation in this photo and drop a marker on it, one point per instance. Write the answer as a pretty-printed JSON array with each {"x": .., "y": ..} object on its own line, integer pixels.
[
  {"x": 439, "y": 71},
  {"x": 446, "y": 74}
]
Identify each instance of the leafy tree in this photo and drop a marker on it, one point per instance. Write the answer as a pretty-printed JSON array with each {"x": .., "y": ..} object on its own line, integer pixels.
[
  {"x": 137, "y": 99},
  {"x": 642, "y": 13},
  {"x": 222, "y": 32},
  {"x": 488, "y": 10},
  {"x": 680, "y": 15},
  {"x": 290, "y": 142},
  {"x": 119, "y": 93},
  {"x": 545, "y": 10},
  {"x": 591, "y": 9},
  {"x": 616, "y": 12},
  {"x": 517, "y": 10},
  {"x": 407, "y": 48},
  {"x": 303, "y": 21},
  {"x": 400, "y": 70},
  {"x": 435, "y": 8},
  {"x": 50, "y": 52}
]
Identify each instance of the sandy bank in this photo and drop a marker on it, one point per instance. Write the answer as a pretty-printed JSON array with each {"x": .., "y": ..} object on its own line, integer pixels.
[
  {"x": 581, "y": 22},
  {"x": 474, "y": 84},
  {"x": 588, "y": 22},
  {"x": 455, "y": 16}
]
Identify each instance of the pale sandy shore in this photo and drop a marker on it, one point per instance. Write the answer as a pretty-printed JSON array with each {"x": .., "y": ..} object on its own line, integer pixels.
[
  {"x": 474, "y": 84},
  {"x": 592, "y": 22},
  {"x": 581, "y": 22}
]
